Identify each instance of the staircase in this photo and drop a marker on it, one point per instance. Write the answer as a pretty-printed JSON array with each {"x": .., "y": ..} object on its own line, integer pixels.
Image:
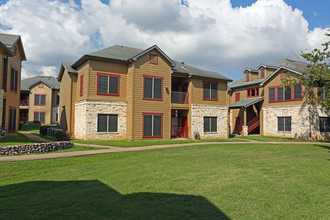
[{"x": 255, "y": 122}]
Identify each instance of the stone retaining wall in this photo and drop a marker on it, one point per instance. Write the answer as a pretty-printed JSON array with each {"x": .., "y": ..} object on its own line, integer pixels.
[
  {"x": 86, "y": 113},
  {"x": 35, "y": 148},
  {"x": 197, "y": 120}
]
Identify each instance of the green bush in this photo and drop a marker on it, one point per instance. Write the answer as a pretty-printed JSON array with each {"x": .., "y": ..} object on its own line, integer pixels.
[
  {"x": 20, "y": 125},
  {"x": 43, "y": 129},
  {"x": 62, "y": 136}
]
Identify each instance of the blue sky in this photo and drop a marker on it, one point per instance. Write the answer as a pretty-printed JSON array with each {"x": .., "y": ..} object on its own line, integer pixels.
[{"x": 220, "y": 35}]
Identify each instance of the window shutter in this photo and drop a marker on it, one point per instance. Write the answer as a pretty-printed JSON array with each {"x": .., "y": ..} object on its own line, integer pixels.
[
  {"x": 297, "y": 92},
  {"x": 272, "y": 94},
  {"x": 214, "y": 124},
  {"x": 157, "y": 129},
  {"x": 280, "y": 93},
  {"x": 113, "y": 82},
  {"x": 157, "y": 88},
  {"x": 102, "y": 123},
  {"x": 206, "y": 124},
  {"x": 113, "y": 123},
  {"x": 147, "y": 87},
  {"x": 214, "y": 91},
  {"x": 287, "y": 93},
  {"x": 16, "y": 80},
  {"x": 12, "y": 78},
  {"x": 206, "y": 91},
  {"x": 42, "y": 99},
  {"x": 81, "y": 85},
  {"x": 147, "y": 125},
  {"x": 280, "y": 126},
  {"x": 102, "y": 84}
]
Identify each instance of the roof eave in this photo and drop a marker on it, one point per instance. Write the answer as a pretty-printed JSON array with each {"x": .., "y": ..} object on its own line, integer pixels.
[
  {"x": 278, "y": 69},
  {"x": 150, "y": 49}
]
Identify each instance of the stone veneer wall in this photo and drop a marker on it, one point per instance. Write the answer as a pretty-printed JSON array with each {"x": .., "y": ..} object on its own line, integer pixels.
[
  {"x": 86, "y": 112},
  {"x": 197, "y": 120},
  {"x": 300, "y": 121},
  {"x": 35, "y": 148}
]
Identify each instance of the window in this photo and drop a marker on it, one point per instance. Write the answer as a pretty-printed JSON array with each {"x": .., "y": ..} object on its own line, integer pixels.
[
  {"x": 152, "y": 88},
  {"x": 247, "y": 76},
  {"x": 322, "y": 94},
  {"x": 152, "y": 125},
  {"x": 324, "y": 124},
  {"x": 210, "y": 124},
  {"x": 153, "y": 59},
  {"x": 41, "y": 85},
  {"x": 81, "y": 85},
  {"x": 13, "y": 80},
  {"x": 39, "y": 116},
  {"x": 210, "y": 91},
  {"x": 4, "y": 76},
  {"x": 39, "y": 99},
  {"x": 56, "y": 117},
  {"x": 285, "y": 93},
  {"x": 254, "y": 92},
  {"x": 12, "y": 120},
  {"x": 284, "y": 123},
  {"x": 57, "y": 100},
  {"x": 237, "y": 96},
  {"x": 262, "y": 73},
  {"x": 107, "y": 123},
  {"x": 107, "y": 84}
]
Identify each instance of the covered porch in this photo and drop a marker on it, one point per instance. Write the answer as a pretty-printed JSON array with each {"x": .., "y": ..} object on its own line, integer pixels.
[
  {"x": 179, "y": 123},
  {"x": 246, "y": 116}
]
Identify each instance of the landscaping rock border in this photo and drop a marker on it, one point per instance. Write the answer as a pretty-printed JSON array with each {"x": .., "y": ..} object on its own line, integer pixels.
[{"x": 35, "y": 148}]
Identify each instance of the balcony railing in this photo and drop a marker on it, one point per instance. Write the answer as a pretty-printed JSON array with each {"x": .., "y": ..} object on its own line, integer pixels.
[
  {"x": 179, "y": 132},
  {"x": 24, "y": 103},
  {"x": 180, "y": 97}
]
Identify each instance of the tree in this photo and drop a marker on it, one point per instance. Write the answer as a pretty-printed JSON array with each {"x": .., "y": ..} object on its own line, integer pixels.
[{"x": 317, "y": 75}]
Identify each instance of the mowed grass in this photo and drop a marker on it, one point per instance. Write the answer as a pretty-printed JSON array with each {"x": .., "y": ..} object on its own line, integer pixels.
[
  {"x": 268, "y": 138},
  {"x": 129, "y": 143},
  {"x": 15, "y": 140},
  {"x": 249, "y": 181}
]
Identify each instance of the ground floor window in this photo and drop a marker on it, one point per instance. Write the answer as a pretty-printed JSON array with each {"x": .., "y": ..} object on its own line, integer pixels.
[
  {"x": 12, "y": 120},
  {"x": 107, "y": 123},
  {"x": 152, "y": 125},
  {"x": 284, "y": 123},
  {"x": 39, "y": 116},
  {"x": 210, "y": 124},
  {"x": 324, "y": 124}
]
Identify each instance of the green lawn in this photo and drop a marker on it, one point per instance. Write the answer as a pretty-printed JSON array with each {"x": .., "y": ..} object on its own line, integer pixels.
[
  {"x": 249, "y": 181},
  {"x": 15, "y": 140},
  {"x": 128, "y": 143},
  {"x": 269, "y": 138}
]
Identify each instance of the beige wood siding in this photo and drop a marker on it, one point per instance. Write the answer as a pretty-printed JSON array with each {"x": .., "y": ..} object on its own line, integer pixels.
[{"x": 47, "y": 108}]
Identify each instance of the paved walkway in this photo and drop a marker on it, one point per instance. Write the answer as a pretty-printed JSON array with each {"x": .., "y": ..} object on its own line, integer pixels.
[
  {"x": 110, "y": 149},
  {"x": 34, "y": 137}
]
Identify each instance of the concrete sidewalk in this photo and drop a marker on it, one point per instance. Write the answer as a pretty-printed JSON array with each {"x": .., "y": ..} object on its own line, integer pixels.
[
  {"x": 35, "y": 138},
  {"x": 110, "y": 149}
]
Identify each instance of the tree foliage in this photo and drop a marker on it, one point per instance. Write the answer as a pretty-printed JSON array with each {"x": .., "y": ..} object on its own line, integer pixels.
[{"x": 316, "y": 80}]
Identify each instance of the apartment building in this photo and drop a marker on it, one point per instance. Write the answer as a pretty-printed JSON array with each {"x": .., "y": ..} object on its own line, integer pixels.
[
  {"x": 128, "y": 93},
  {"x": 259, "y": 104},
  {"x": 11, "y": 56},
  {"x": 40, "y": 96}
]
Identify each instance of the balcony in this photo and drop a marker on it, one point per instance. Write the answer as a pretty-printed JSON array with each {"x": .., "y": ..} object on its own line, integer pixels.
[
  {"x": 180, "y": 97},
  {"x": 24, "y": 103}
]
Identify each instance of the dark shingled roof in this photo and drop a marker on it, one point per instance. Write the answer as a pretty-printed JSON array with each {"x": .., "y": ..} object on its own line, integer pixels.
[
  {"x": 124, "y": 54},
  {"x": 50, "y": 81},
  {"x": 246, "y": 102},
  {"x": 285, "y": 63},
  {"x": 9, "y": 39},
  {"x": 68, "y": 68}
]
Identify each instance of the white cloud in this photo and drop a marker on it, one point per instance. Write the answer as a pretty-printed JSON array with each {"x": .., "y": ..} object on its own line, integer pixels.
[{"x": 209, "y": 33}]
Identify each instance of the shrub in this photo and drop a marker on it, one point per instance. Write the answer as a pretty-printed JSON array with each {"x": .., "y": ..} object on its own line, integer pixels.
[
  {"x": 43, "y": 129},
  {"x": 20, "y": 125},
  {"x": 62, "y": 136}
]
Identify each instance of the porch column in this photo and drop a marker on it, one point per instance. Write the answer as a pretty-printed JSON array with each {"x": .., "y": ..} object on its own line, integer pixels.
[{"x": 245, "y": 127}]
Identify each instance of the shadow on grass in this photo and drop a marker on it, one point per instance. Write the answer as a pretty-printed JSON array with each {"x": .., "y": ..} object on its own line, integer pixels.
[
  {"x": 94, "y": 200},
  {"x": 325, "y": 147}
]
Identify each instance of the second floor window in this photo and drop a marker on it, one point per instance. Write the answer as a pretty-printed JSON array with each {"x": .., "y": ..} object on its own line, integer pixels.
[
  {"x": 39, "y": 99},
  {"x": 321, "y": 93},
  {"x": 210, "y": 91},
  {"x": 13, "y": 80},
  {"x": 247, "y": 76},
  {"x": 152, "y": 88},
  {"x": 285, "y": 93},
  {"x": 254, "y": 92},
  {"x": 107, "y": 84},
  {"x": 262, "y": 73},
  {"x": 57, "y": 100}
]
